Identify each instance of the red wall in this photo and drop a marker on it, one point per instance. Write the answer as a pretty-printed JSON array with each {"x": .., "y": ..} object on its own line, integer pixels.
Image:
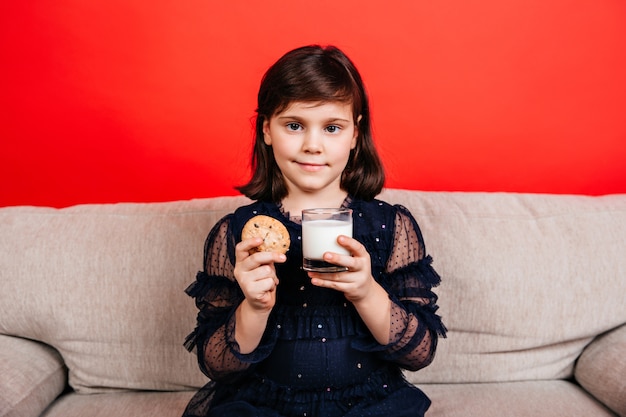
[{"x": 131, "y": 100}]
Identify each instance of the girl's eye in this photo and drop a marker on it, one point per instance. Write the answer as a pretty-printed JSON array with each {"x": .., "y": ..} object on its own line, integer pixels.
[
  {"x": 293, "y": 126},
  {"x": 333, "y": 129}
]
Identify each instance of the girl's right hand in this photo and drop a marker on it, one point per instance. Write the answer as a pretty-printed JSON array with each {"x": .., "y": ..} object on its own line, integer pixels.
[{"x": 256, "y": 275}]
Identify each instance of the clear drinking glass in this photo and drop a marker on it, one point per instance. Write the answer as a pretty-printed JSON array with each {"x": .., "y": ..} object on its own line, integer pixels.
[{"x": 320, "y": 229}]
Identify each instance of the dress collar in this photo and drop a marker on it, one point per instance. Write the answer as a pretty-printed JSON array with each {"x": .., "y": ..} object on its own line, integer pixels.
[{"x": 347, "y": 202}]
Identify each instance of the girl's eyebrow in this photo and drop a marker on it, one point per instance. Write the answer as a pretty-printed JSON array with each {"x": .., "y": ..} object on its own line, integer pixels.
[
  {"x": 288, "y": 117},
  {"x": 295, "y": 117}
]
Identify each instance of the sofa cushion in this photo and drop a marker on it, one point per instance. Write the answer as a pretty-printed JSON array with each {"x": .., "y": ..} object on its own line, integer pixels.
[
  {"x": 32, "y": 375},
  {"x": 104, "y": 285},
  {"x": 601, "y": 369},
  {"x": 131, "y": 404},
  {"x": 513, "y": 399}
]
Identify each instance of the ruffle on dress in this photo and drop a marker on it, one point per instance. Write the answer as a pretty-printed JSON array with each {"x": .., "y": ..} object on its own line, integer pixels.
[
  {"x": 333, "y": 322},
  {"x": 285, "y": 401},
  {"x": 215, "y": 296},
  {"x": 415, "y": 282}
]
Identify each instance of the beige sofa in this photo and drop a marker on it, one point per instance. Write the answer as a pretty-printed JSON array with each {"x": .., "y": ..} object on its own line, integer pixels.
[{"x": 93, "y": 313}]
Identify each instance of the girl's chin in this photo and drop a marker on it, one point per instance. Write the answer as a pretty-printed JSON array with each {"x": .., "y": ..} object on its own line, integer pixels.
[{"x": 314, "y": 188}]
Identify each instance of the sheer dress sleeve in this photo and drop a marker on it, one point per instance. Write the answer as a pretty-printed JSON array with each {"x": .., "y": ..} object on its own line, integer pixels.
[
  {"x": 217, "y": 296},
  {"x": 409, "y": 278}
]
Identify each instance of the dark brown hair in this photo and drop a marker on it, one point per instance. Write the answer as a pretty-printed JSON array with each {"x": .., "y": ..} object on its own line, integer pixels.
[{"x": 314, "y": 74}]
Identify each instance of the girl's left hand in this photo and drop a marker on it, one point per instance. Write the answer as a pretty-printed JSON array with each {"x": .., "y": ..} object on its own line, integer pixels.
[{"x": 357, "y": 281}]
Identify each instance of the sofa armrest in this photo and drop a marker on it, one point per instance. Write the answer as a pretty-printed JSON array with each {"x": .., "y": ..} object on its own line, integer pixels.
[
  {"x": 32, "y": 375},
  {"x": 601, "y": 369}
]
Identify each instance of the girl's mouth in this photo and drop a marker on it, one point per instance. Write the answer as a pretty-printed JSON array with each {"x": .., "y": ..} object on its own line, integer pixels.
[{"x": 310, "y": 167}]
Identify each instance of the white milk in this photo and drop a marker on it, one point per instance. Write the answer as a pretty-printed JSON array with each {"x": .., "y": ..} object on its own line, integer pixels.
[{"x": 319, "y": 236}]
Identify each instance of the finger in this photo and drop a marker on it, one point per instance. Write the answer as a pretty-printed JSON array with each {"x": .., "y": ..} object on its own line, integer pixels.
[
  {"x": 346, "y": 261},
  {"x": 267, "y": 258},
  {"x": 256, "y": 259},
  {"x": 266, "y": 284},
  {"x": 352, "y": 245},
  {"x": 243, "y": 248},
  {"x": 258, "y": 282},
  {"x": 332, "y": 281},
  {"x": 358, "y": 258},
  {"x": 325, "y": 278}
]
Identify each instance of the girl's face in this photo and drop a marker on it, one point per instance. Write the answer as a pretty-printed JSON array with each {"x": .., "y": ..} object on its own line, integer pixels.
[{"x": 311, "y": 144}]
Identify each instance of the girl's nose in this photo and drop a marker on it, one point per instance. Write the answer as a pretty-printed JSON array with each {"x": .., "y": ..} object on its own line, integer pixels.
[{"x": 312, "y": 142}]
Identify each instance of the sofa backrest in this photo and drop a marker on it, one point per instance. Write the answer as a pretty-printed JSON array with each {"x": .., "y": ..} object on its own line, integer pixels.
[
  {"x": 527, "y": 282},
  {"x": 104, "y": 285}
]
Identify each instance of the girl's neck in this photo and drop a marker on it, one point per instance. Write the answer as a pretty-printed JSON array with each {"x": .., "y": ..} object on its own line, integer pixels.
[{"x": 294, "y": 204}]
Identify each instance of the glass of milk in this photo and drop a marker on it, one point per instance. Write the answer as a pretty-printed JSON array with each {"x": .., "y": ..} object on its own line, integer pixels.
[{"x": 320, "y": 229}]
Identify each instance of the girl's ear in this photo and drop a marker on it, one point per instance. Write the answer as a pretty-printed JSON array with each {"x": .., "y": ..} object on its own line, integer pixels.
[{"x": 266, "y": 133}]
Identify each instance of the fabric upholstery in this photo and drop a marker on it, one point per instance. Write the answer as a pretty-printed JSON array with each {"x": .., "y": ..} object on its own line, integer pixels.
[
  {"x": 528, "y": 281},
  {"x": 601, "y": 369},
  {"x": 104, "y": 285},
  {"x": 514, "y": 399},
  {"x": 554, "y": 398},
  {"x": 131, "y": 404},
  {"x": 32, "y": 375}
]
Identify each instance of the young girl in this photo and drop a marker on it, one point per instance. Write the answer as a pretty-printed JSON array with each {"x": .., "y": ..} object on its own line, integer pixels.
[{"x": 278, "y": 341}]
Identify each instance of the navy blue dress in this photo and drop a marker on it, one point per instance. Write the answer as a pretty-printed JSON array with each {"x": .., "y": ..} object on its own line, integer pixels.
[{"x": 317, "y": 357}]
